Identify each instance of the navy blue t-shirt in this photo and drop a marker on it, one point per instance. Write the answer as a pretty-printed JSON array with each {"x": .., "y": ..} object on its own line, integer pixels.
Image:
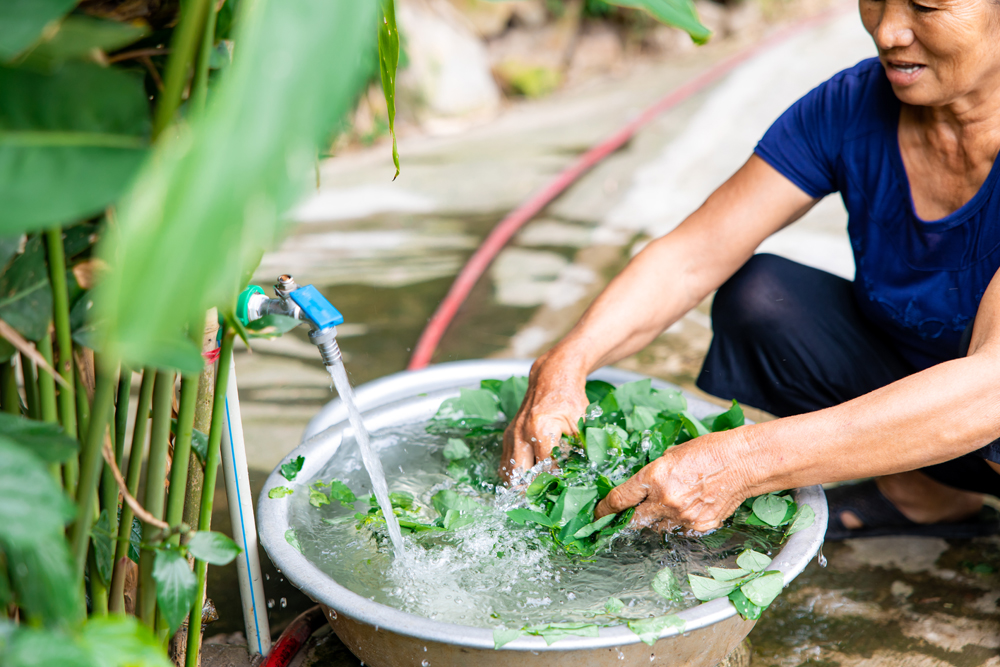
[{"x": 919, "y": 281}]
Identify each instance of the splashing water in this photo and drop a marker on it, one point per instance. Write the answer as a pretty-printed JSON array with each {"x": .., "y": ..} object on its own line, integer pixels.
[{"x": 368, "y": 455}]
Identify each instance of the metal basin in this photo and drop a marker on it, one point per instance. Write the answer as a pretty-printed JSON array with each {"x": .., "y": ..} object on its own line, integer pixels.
[{"x": 385, "y": 637}]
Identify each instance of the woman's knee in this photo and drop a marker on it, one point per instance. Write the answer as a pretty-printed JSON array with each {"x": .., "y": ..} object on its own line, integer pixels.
[{"x": 757, "y": 298}]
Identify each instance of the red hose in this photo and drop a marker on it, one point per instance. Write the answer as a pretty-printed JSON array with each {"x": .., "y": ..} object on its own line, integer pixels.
[
  {"x": 497, "y": 239},
  {"x": 295, "y": 636}
]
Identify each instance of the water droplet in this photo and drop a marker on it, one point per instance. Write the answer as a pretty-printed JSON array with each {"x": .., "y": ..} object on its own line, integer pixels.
[
  {"x": 333, "y": 614},
  {"x": 267, "y": 577},
  {"x": 425, "y": 663},
  {"x": 270, "y": 604},
  {"x": 821, "y": 558},
  {"x": 284, "y": 603},
  {"x": 425, "y": 649}
]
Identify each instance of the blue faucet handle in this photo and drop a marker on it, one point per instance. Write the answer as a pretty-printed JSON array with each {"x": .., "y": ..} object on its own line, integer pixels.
[{"x": 316, "y": 307}]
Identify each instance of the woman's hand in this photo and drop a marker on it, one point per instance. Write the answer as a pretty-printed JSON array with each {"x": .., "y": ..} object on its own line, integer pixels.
[
  {"x": 555, "y": 401},
  {"x": 694, "y": 486}
]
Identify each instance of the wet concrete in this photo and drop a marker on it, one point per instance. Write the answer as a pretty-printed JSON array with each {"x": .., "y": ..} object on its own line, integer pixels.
[{"x": 385, "y": 254}]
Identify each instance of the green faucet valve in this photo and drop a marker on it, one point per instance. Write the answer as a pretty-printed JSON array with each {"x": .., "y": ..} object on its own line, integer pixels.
[{"x": 243, "y": 302}]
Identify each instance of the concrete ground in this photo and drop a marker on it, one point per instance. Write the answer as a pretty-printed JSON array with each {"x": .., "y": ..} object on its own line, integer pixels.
[{"x": 385, "y": 254}]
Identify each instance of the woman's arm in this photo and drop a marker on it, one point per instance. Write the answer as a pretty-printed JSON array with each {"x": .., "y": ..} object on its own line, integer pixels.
[
  {"x": 667, "y": 279},
  {"x": 932, "y": 416}
]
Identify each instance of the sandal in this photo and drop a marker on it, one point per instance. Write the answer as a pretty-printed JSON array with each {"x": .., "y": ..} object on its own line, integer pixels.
[{"x": 880, "y": 517}]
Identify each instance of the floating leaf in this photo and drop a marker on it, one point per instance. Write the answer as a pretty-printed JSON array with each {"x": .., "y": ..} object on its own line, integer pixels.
[
  {"x": 708, "y": 589},
  {"x": 770, "y": 509},
  {"x": 503, "y": 636},
  {"x": 744, "y": 606},
  {"x": 753, "y": 560},
  {"x": 317, "y": 497},
  {"x": 279, "y": 492},
  {"x": 212, "y": 547},
  {"x": 292, "y": 539},
  {"x": 343, "y": 494},
  {"x": 175, "y": 586},
  {"x": 666, "y": 585},
  {"x": 763, "y": 589},
  {"x": 553, "y": 632},
  {"x": 456, "y": 449},
  {"x": 614, "y": 606},
  {"x": 804, "y": 518},
  {"x": 650, "y": 629}
]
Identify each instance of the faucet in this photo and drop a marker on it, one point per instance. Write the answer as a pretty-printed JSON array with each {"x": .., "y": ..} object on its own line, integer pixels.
[{"x": 303, "y": 303}]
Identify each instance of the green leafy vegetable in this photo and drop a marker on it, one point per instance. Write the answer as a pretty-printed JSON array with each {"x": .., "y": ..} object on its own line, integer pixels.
[
  {"x": 598, "y": 442},
  {"x": 524, "y": 516},
  {"x": 593, "y": 527},
  {"x": 342, "y": 493},
  {"x": 456, "y": 449},
  {"x": 317, "y": 496},
  {"x": 763, "y": 589},
  {"x": 175, "y": 586},
  {"x": 706, "y": 589},
  {"x": 279, "y": 492},
  {"x": 291, "y": 469},
  {"x": 803, "y": 518},
  {"x": 744, "y": 606},
  {"x": 503, "y": 636},
  {"x": 214, "y": 548},
  {"x": 753, "y": 561},
  {"x": 553, "y": 632},
  {"x": 614, "y": 606},
  {"x": 293, "y": 540},
  {"x": 770, "y": 509},
  {"x": 666, "y": 585}
]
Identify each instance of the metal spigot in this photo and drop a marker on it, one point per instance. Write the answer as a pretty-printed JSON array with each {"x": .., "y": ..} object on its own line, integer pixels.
[{"x": 302, "y": 303}]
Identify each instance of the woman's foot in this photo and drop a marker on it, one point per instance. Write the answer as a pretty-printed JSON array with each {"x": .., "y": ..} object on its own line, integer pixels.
[{"x": 921, "y": 500}]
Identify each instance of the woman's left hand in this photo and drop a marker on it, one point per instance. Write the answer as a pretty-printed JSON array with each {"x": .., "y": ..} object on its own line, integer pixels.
[{"x": 692, "y": 486}]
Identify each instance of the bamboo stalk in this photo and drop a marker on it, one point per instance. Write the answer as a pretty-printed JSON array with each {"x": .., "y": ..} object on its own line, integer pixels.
[
  {"x": 182, "y": 50},
  {"x": 202, "y": 419},
  {"x": 29, "y": 379},
  {"x": 208, "y": 492},
  {"x": 46, "y": 384},
  {"x": 121, "y": 412},
  {"x": 182, "y": 451},
  {"x": 117, "y": 602},
  {"x": 109, "y": 486},
  {"x": 199, "y": 92},
  {"x": 156, "y": 473},
  {"x": 64, "y": 338},
  {"x": 90, "y": 468}
]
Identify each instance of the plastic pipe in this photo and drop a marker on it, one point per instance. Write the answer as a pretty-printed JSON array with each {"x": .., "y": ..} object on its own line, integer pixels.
[
  {"x": 234, "y": 467},
  {"x": 506, "y": 228}
]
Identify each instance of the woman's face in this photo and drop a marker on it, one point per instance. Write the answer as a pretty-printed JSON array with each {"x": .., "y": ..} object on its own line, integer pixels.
[{"x": 936, "y": 52}]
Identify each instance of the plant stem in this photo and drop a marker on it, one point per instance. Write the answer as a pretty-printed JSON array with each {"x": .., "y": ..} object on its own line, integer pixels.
[
  {"x": 182, "y": 449},
  {"x": 90, "y": 468},
  {"x": 121, "y": 412},
  {"x": 117, "y": 603},
  {"x": 208, "y": 491},
  {"x": 46, "y": 385},
  {"x": 64, "y": 338},
  {"x": 109, "y": 487},
  {"x": 202, "y": 419},
  {"x": 9, "y": 398},
  {"x": 182, "y": 50},
  {"x": 156, "y": 473},
  {"x": 30, "y": 381},
  {"x": 199, "y": 93},
  {"x": 98, "y": 589},
  {"x": 82, "y": 405}
]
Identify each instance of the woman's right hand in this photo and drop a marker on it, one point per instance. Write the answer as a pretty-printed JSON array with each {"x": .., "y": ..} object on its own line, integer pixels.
[{"x": 555, "y": 401}]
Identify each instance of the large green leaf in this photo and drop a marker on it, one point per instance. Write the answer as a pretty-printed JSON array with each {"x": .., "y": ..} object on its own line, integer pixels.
[
  {"x": 78, "y": 37},
  {"x": 104, "y": 546},
  {"x": 214, "y": 548},
  {"x": 22, "y": 22},
  {"x": 46, "y": 441},
  {"x": 175, "y": 586},
  {"x": 32, "y": 506},
  {"x": 31, "y": 647},
  {"x": 25, "y": 293},
  {"x": 70, "y": 142},
  {"x": 201, "y": 211},
  {"x": 44, "y": 581},
  {"x": 678, "y": 13},
  {"x": 388, "y": 60},
  {"x": 122, "y": 641}
]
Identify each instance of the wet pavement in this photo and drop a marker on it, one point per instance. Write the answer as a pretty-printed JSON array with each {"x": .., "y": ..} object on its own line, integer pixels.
[{"x": 385, "y": 254}]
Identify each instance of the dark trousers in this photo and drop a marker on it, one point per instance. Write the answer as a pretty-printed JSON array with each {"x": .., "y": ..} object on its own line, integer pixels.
[{"x": 791, "y": 339}]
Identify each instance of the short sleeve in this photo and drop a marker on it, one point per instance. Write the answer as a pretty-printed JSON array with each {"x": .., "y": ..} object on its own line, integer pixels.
[{"x": 804, "y": 143}]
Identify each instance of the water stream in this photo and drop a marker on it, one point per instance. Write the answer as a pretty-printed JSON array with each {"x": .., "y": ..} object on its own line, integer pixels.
[{"x": 368, "y": 455}]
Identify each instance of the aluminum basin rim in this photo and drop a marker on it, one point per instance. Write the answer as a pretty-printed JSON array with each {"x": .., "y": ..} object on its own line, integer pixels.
[{"x": 301, "y": 572}]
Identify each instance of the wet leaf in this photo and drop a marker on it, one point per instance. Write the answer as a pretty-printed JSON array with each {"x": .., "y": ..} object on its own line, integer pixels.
[
  {"x": 753, "y": 561},
  {"x": 524, "y": 516},
  {"x": 614, "y": 606},
  {"x": 574, "y": 500},
  {"x": 541, "y": 485},
  {"x": 343, "y": 494},
  {"x": 593, "y": 527},
  {"x": 641, "y": 419},
  {"x": 317, "y": 497},
  {"x": 470, "y": 403},
  {"x": 744, "y": 606},
  {"x": 598, "y": 442},
  {"x": 804, "y": 518},
  {"x": 456, "y": 449},
  {"x": 598, "y": 389},
  {"x": 449, "y": 499},
  {"x": 727, "y": 574},
  {"x": 770, "y": 509},
  {"x": 665, "y": 584},
  {"x": 708, "y": 589},
  {"x": 650, "y": 629},
  {"x": 212, "y": 547},
  {"x": 175, "y": 586},
  {"x": 291, "y": 469},
  {"x": 692, "y": 424},
  {"x": 279, "y": 492},
  {"x": 731, "y": 418},
  {"x": 503, "y": 636},
  {"x": 763, "y": 589},
  {"x": 293, "y": 540},
  {"x": 553, "y": 632},
  {"x": 70, "y": 142},
  {"x": 512, "y": 393}
]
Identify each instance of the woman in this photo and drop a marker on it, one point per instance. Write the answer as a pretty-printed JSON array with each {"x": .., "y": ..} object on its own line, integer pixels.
[{"x": 869, "y": 378}]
